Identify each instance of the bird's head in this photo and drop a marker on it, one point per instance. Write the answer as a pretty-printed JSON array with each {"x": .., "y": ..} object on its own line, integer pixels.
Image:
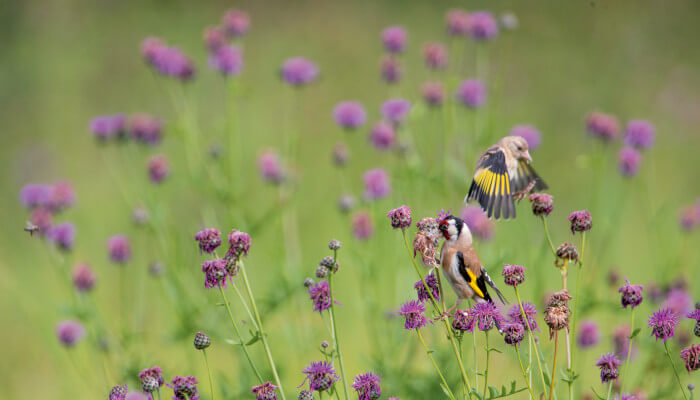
[
  {"x": 451, "y": 227},
  {"x": 517, "y": 146}
]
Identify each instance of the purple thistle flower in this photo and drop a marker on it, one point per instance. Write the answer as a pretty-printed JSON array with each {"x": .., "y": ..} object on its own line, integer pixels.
[
  {"x": 639, "y": 134},
  {"x": 695, "y": 314},
  {"x": 137, "y": 396},
  {"x": 433, "y": 93},
  {"x": 626, "y": 396},
  {"x": 83, "y": 277},
  {"x": 588, "y": 334},
  {"x": 542, "y": 204},
  {"x": 581, "y": 221},
  {"x": 61, "y": 196},
  {"x": 367, "y": 386},
  {"x": 432, "y": 283},
  {"x": 209, "y": 239},
  {"x": 171, "y": 61},
  {"x": 513, "y": 333},
  {"x": 119, "y": 249},
  {"x": 462, "y": 320},
  {"x": 513, "y": 275},
  {"x": 631, "y": 294},
  {"x": 105, "y": 127},
  {"x": 266, "y": 391},
  {"x": 629, "y": 160},
  {"x": 514, "y": 314},
  {"x": 214, "y": 38},
  {"x": 663, "y": 323},
  {"x": 70, "y": 332},
  {"x": 457, "y": 22},
  {"x": 341, "y": 154},
  {"x": 119, "y": 392},
  {"x": 236, "y": 23},
  {"x": 609, "y": 367},
  {"x": 394, "y": 39},
  {"x": 215, "y": 273},
  {"x": 486, "y": 315},
  {"x": 362, "y": 225},
  {"x": 478, "y": 223},
  {"x": 400, "y": 217},
  {"x": 320, "y": 294},
  {"x": 158, "y": 168},
  {"x": 35, "y": 195},
  {"x": 146, "y": 128},
  {"x": 689, "y": 217},
  {"x": 435, "y": 55},
  {"x": 228, "y": 60},
  {"x": 321, "y": 375},
  {"x": 184, "y": 388},
  {"x": 42, "y": 218},
  {"x": 471, "y": 93},
  {"x": 350, "y": 114},
  {"x": 270, "y": 167},
  {"x": 482, "y": 26},
  {"x": 414, "y": 313},
  {"x": 154, "y": 372},
  {"x": 150, "y": 47},
  {"x": 395, "y": 110},
  {"x": 603, "y": 126},
  {"x": 382, "y": 136},
  {"x": 377, "y": 184},
  {"x": 691, "y": 356},
  {"x": 678, "y": 301},
  {"x": 62, "y": 235},
  {"x": 299, "y": 71},
  {"x": 391, "y": 69},
  {"x": 532, "y": 136},
  {"x": 239, "y": 244}
]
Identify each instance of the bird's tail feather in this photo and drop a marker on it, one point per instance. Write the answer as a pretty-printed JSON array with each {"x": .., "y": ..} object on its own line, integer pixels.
[{"x": 493, "y": 286}]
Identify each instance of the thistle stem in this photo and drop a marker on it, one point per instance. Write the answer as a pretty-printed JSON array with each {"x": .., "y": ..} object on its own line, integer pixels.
[
  {"x": 261, "y": 331},
  {"x": 609, "y": 390},
  {"x": 522, "y": 369},
  {"x": 428, "y": 352},
  {"x": 546, "y": 235},
  {"x": 574, "y": 316},
  {"x": 554, "y": 364},
  {"x": 486, "y": 371},
  {"x": 420, "y": 275},
  {"x": 238, "y": 335},
  {"x": 675, "y": 371},
  {"x": 476, "y": 363},
  {"x": 211, "y": 381},
  {"x": 629, "y": 351},
  {"x": 529, "y": 330},
  {"x": 336, "y": 342}
]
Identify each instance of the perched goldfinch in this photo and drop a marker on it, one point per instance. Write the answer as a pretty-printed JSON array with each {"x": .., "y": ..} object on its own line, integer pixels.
[
  {"x": 503, "y": 173},
  {"x": 461, "y": 265}
]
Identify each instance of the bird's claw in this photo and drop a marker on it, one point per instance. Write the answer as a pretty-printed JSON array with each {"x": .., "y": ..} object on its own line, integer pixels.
[{"x": 518, "y": 196}]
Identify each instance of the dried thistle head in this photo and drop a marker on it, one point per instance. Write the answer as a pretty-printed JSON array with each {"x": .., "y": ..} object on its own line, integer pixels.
[
  {"x": 567, "y": 253},
  {"x": 426, "y": 244},
  {"x": 556, "y": 318}
]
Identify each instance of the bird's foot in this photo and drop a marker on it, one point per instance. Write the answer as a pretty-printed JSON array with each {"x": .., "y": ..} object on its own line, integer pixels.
[
  {"x": 446, "y": 314},
  {"x": 518, "y": 196}
]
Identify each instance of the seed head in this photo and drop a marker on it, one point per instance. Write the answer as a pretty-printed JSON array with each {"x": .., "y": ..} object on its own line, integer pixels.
[
  {"x": 201, "y": 341},
  {"x": 513, "y": 275},
  {"x": 542, "y": 204},
  {"x": 567, "y": 252},
  {"x": 556, "y": 318},
  {"x": 400, "y": 217}
]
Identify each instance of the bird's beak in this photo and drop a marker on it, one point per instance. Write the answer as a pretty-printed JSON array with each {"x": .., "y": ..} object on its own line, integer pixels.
[{"x": 527, "y": 156}]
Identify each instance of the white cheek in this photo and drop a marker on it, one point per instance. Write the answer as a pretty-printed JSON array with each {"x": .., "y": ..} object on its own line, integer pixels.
[{"x": 452, "y": 231}]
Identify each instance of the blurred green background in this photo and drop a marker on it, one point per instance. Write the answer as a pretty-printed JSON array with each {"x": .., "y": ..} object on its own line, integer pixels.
[{"x": 64, "y": 62}]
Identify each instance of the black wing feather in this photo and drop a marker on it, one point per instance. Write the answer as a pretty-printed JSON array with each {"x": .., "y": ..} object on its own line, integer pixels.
[{"x": 480, "y": 282}]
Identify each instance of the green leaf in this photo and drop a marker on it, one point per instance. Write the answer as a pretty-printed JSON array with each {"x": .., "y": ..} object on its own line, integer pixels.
[
  {"x": 503, "y": 390},
  {"x": 444, "y": 390},
  {"x": 495, "y": 349},
  {"x": 635, "y": 333},
  {"x": 233, "y": 342},
  {"x": 546, "y": 378},
  {"x": 253, "y": 340},
  {"x": 512, "y": 386},
  {"x": 597, "y": 395}
]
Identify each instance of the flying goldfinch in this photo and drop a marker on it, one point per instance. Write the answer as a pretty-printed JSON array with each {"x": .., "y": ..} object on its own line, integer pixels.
[
  {"x": 503, "y": 174},
  {"x": 461, "y": 265}
]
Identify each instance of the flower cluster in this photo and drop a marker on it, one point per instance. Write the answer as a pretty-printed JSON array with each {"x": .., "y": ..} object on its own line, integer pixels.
[
  {"x": 377, "y": 184},
  {"x": 478, "y": 223},
  {"x": 513, "y": 333},
  {"x": 463, "y": 321},
  {"x": 382, "y": 136},
  {"x": 45, "y": 201},
  {"x": 532, "y": 136},
  {"x": 362, "y": 225},
  {"x": 567, "y": 252},
  {"x": 691, "y": 356},
  {"x": 154, "y": 372},
  {"x": 158, "y": 168},
  {"x": 270, "y": 166},
  {"x": 83, "y": 277},
  {"x": 299, "y": 71},
  {"x": 350, "y": 114},
  {"x": 167, "y": 60},
  {"x": 395, "y": 110},
  {"x": 588, "y": 334},
  {"x": 602, "y": 126},
  {"x": 471, "y": 93},
  {"x": 433, "y": 93},
  {"x": 119, "y": 392},
  {"x": 486, "y": 315},
  {"x": 239, "y": 244}
]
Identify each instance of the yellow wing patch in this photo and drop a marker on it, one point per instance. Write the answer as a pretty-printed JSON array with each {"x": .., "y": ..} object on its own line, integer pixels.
[
  {"x": 472, "y": 283},
  {"x": 492, "y": 184}
]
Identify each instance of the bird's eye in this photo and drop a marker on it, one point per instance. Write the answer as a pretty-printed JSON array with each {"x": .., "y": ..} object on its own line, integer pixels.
[{"x": 520, "y": 148}]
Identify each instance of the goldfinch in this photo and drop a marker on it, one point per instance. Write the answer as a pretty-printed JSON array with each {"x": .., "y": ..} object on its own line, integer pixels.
[
  {"x": 461, "y": 265},
  {"x": 503, "y": 174}
]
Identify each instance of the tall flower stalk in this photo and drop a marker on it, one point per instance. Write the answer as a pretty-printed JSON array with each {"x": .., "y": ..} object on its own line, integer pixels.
[
  {"x": 334, "y": 326},
  {"x": 238, "y": 335}
]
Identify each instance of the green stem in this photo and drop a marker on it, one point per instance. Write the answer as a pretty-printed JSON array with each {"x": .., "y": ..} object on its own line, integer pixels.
[
  {"x": 336, "y": 342},
  {"x": 476, "y": 363},
  {"x": 574, "y": 316},
  {"x": 486, "y": 370},
  {"x": 238, "y": 335},
  {"x": 211, "y": 381},
  {"x": 529, "y": 329},
  {"x": 244, "y": 303},
  {"x": 428, "y": 352},
  {"x": 629, "y": 351},
  {"x": 158, "y": 393},
  {"x": 675, "y": 371},
  {"x": 546, "y": 235},
  {"x": 554, "y": 364},
  {"x": 261, "y": 332},
  {"x": 420, "y": 275},
  {"x": 609, "y": 390},
  {"x": 522, "y": 369}
]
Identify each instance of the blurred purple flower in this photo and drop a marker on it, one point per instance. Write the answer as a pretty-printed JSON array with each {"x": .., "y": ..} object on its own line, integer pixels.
[
  {"x": 532, "y": 136},
  {"x": 184, "y": 388},
  {"x": 154, "y": 372},
  {"x": 513, "y": 275},
  {"x": 209, "y": 239},
  {"x": 362, "y": 225},
  {"x": 609, "y": 367},
  {"x": 678, "y": 301},
  {"x": 119, "y": 249},
  {"x": 400, "y": 217},
  {"x": 158, "y": 168},
  {"x": 382, "y": 136},
  {"x": 346, "y": 202},
  {"x": 62, "y": 235},
  {"x": 320, "y": 294},
  {"x": 395, "y": 110},
  {"x": 639, "y": 134},
  {"x": 239, "y": 244},
  {"x": 146, "y": 129},
  {"x": 150, "y": 47},
  {"x": 435, "y": 55},
  {"x": 377, "y": 184},
  {"x": 433, "y": 93},
  {"x": 266, "y": 391},
  {"x": 513, "y": 333},
  {"x": 321, "y": 375},
  {"x": 215, "y": 273},
  {"x": 432, "y": 283},
  {"x": 482, "y": 26},
  {"x": 270, "y": 167},
  {"x": 414, "y": 313},
  {"x": 629, "y": 160},
  {"x": 350, "y": 114},
  {"x": 299, "y": 71},
  {"x": 471, "y": 93},
  {"x": 83, "y": 277},
  {"x": 581, "y": 221},
  {"x": 228, "y": 60},
  {"x": 236, "y": 23},
  {"x": 394, "y": 39},
  {"x": 457, "y": 22},
  {"x": 367, "y": 386},
  {"x": 171, "y": 61},
  {"x": 603, "y": 126},
  {"x": 391, "y": 69},
  {"x": 61, "y": 196},
  {"x": 462, "y": 320},
  {"x": 515, "y": 314},
  {"x": 35, "y": 195},
  {"x": 478, "y": 222},
  {"x": 542, "y": 204},
  {"x": 486, "y": 315},
  {"x": 105, "y": 127},
  {"x": 631, "y": 294},
  {"x": 214, "y": 38},
  {"x": 689, "y": 217},
  {"x": 588, "y": 334},
  {"x": 118, "y": 392},
  {"x": 341, "y": 154},
  {"x": 70, "y": 332},
  {"x": 691, "y": 356},
  {"x": 663, "y": 323},
  {"x": 137, "y": 396},
  {"x": 42, "y": 218}
]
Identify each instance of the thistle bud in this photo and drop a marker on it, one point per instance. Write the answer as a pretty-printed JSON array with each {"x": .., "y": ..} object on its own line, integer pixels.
[
  {"x": 334, "y": 244},
  {"x": 567, "y": 252},
  {"x": 321, "y": 272},
  {"x": 330, "y": 263},
  {"x": 201, "y": 341},
  {"x": 542, "y": 204},
  {"x": 149, "y": 384},
  {"x": 308, "y": 282}
]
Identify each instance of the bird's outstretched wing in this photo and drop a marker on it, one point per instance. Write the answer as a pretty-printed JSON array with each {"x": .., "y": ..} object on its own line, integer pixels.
[
  {"x": 477, "y": 283},
  {"x": 491, "y": 186},
  {"x": 524, "y": 175}
]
